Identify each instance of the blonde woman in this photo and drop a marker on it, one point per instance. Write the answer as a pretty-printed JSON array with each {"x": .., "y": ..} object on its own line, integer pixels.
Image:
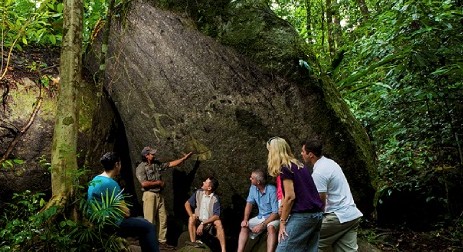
[{"x": 301, "y": 214}]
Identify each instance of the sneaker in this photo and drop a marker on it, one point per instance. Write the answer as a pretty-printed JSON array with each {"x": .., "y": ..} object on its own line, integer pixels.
[
  {"x": 189, "y": 243},
  {"x": 196, "y": 244},
  {"x": 200, "y": 244}
]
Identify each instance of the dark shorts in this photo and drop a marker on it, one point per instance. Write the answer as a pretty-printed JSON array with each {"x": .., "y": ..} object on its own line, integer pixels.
[{"x": 208, "y": 228}]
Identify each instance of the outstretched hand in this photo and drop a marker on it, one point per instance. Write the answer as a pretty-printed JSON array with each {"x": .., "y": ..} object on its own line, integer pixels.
[
  {"x": 188, "y": 155},
  {"x": 180, "y": 160}
]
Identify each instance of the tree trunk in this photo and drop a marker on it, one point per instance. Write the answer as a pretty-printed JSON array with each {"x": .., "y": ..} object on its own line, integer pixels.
[
  {"x": 63, "y": 160},
  {"x": 363, "y": 9},
  {"x": 337, "y": 29},
  {"x": 322, "y": 40},
  {"x": 308, "y": 25},
  {"x": 329, "y": 28}
]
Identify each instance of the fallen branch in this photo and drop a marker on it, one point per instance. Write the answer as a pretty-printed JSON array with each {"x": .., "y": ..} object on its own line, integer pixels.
[{"x": 23, "y": 129}]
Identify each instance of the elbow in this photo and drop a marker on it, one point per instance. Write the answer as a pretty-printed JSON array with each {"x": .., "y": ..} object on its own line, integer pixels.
[{"x": 290, "y": 199}]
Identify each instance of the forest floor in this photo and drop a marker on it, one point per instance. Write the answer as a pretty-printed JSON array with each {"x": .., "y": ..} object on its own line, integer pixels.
[
  {"x": 395, "y": 240},
  {"x": 29, "y": 64},
  {"x": 403, "y": 239}
]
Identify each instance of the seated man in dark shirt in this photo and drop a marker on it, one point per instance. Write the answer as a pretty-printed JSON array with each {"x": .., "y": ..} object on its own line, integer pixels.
[{"x": 203, "y": 207}]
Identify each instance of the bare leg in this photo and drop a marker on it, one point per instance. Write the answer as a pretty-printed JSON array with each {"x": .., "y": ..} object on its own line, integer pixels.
[
  {"x": 220, "y": 234},
  {"x": 243, "y": 238},
  {"x": 271, "y": 238},
  {"x": 192, "y": 228}
]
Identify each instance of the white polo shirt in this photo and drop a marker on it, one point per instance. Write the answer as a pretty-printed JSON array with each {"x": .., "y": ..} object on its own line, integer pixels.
[{"x": 330, "y": 179}]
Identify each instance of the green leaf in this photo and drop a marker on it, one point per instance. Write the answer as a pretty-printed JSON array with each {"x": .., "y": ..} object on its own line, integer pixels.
[
  {"x": 382, "y": 85},
  {"x": 60, "y": 7},
  {"x": 8, "y": 163},
  {"x": 18, "y": 161},
  {"x": 52, "y": 39}
]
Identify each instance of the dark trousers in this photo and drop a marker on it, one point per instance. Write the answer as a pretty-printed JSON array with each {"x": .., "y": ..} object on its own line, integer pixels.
[{"x": 141, "y": 228}]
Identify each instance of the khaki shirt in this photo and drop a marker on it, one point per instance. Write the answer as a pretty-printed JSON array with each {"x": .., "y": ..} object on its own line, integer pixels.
[{"x": 150, "y": 172}]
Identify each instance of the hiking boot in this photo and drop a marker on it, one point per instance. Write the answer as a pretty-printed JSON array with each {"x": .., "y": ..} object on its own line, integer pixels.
[{"x": 165, "y": 246}]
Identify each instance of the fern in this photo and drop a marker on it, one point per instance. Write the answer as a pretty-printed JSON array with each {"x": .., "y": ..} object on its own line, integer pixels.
[{"x": 109, "y": 209}]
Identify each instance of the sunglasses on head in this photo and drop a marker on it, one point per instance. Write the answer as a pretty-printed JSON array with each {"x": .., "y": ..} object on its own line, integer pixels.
[{"x": 270, "y": 140}]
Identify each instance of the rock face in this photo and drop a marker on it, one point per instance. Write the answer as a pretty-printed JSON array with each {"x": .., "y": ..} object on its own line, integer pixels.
[
  {"x": 180, "y": 91},
  {"x": 26, "y": 173}
]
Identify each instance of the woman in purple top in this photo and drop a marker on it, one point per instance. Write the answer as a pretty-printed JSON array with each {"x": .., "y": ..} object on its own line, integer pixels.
[{"x": 301, "y": 214}]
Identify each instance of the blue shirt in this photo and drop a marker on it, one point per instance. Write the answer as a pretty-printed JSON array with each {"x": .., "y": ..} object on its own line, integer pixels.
[
  {"x": 266, "y": 201},
  {"x": 99, "y": 187}
]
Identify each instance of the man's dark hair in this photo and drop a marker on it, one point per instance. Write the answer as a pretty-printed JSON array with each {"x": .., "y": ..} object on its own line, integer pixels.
[
  {"x": 214, "y": 183},
  {"x": 109, "y": 159},
  {"x": 313, "y": 145}
]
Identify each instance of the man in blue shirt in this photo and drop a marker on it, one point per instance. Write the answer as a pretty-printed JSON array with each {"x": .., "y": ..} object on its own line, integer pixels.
[
  {"x": 104, "y": 186},
  {"x": 265, "y": 197}
]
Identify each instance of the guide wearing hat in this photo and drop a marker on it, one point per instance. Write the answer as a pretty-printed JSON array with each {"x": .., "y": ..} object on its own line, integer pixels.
[
  {"x": 148, "y": 150},
  {"x": 148, "y": 173}
]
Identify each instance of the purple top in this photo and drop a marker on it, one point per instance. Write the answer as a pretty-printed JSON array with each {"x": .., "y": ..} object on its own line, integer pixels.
[{"x": 307, "y": 197}]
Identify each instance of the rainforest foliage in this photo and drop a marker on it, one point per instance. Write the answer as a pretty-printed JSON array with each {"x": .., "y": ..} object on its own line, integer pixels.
[{"x": 397, "y": 63}]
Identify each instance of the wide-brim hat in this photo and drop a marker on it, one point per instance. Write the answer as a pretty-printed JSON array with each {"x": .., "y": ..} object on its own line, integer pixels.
[{"x": 148, "y": 150}]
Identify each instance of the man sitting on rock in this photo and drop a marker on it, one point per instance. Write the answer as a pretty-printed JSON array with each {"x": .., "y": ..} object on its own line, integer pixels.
[
  {"x": 265, "y": 197},
  {"x": 206, "y": 215},
  {"x": 103, "y": 186}
]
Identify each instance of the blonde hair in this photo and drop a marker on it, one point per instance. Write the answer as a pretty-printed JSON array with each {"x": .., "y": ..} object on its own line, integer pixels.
[{"x": 280, "y": 155}]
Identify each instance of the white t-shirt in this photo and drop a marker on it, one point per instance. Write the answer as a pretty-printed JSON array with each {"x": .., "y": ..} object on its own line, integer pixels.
[{"x": 330, "y": 179}]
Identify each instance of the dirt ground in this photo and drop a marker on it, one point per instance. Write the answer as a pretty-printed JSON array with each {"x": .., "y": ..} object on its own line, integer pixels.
[
  {"x": 395, "y": 240},
  {"x": 401, "y": 239}
]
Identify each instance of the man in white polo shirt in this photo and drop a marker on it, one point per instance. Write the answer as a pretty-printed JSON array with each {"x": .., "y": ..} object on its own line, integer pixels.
[{"x": 342, "y": 217}]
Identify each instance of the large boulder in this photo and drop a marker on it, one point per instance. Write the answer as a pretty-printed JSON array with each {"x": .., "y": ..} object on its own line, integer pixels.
[{"x": 180, "y": 91}]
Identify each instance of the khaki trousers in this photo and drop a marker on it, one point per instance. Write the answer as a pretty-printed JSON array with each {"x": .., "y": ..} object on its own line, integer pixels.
[
  {"x": 154, "y": 210},
  {"x": 336, "y": 236}
]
